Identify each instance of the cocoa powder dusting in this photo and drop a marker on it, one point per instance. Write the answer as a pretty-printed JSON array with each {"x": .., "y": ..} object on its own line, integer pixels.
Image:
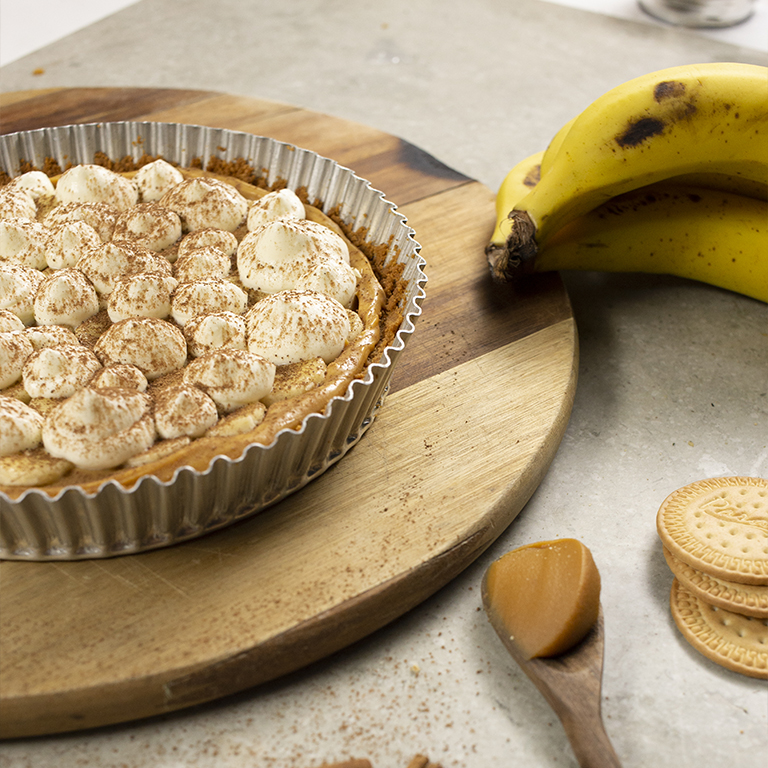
[{"x": 388, "y": 316}]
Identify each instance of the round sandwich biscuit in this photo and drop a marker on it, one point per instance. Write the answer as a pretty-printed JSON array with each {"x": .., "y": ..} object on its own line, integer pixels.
[
  {"x": 719, "y": 527},
  {"x": 735, "y": 642},
  {"x": 747, "y": 599}
]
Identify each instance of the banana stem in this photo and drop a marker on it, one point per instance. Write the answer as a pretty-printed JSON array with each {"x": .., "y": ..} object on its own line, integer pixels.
[{"x": 518, "y": 253}]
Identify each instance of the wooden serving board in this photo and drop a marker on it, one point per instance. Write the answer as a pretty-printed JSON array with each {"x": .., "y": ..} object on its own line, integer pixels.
[{"x": 477, "y": 408}]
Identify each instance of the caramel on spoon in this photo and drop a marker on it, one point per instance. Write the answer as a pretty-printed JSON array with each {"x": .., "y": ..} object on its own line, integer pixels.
[{"x": 543, "y": 600}]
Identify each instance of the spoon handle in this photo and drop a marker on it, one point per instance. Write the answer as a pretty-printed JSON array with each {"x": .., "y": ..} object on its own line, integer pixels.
[
  {"x": 579, "y": 712},
  {"x": 571, "y": 683},
  {"x": 589, "y": 741}
]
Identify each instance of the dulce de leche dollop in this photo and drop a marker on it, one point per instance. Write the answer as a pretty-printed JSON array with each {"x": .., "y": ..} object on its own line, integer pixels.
[{"x": 547, "y": 595}]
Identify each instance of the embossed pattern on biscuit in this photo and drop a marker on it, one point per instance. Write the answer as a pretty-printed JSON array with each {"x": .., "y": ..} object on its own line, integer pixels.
[
  {"x": 719, "y": 526},
  {"x": 747, "y": 599},
  {"x": 734, "y": 641}
]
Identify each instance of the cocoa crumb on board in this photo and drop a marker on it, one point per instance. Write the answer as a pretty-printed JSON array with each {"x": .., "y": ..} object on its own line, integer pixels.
[
  {"x": 421, "y": 761},
  {"x": 418, "y": 761}
]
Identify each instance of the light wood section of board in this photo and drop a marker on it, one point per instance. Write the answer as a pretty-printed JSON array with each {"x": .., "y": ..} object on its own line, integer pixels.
[{"x": 361, "y": 532}]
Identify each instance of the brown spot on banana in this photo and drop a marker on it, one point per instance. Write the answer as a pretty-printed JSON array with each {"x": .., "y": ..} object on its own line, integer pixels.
[
  {"x": 639, "y": 130},
  {"x": 533, "y": 177},
  {"x": 668, "y": 89},
  {"x": 677, "y": 104}
]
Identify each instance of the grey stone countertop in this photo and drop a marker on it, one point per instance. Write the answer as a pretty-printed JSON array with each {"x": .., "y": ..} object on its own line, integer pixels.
[{"x": 673, "y": 388}]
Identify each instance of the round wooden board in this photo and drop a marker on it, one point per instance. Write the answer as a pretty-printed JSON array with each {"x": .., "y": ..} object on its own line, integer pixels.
[{"x": 477, "y": 409}]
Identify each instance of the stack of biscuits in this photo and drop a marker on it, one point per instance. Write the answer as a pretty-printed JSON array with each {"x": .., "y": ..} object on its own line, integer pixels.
[{"x": 715, "y": 537}]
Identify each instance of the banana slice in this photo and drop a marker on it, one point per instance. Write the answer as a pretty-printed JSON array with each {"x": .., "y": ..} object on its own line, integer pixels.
[
  {"x": 243, "y": 420},
  {"x": 158, "y": 451},
  {"x": 295, "y": 379},
  {"x": 34, "y": 467}
]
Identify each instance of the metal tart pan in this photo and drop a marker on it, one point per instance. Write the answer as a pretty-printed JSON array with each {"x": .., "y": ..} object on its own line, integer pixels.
[{"x": 114, "y": 521}]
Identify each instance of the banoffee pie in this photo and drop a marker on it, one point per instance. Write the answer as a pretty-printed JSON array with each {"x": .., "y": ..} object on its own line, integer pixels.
[{"x": 163, "y": 317}]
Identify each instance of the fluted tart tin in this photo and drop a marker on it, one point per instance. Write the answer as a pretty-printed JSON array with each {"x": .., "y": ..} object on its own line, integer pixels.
[{"x": 114, "y": 520}]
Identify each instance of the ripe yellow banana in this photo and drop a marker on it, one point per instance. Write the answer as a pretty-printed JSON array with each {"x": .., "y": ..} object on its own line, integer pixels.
[
  {"x": 707, "y": 235},
  {"x": 551, "y": 152},
  {"x": 707, "y": 118},
  {"x": 516, "y": 185},
  {"x": 737, "y": 185},
  {"x": 676, "y": 227}
]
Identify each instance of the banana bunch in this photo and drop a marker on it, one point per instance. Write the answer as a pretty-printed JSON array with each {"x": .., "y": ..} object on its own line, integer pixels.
[{"x": 667, "y": 173}]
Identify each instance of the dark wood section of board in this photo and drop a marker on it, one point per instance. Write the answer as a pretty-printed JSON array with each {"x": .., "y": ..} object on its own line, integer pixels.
[
  {"x": 382, "y": 166},
  {"x": 448, "y": 332},
  {"x": 89, "y": 105}
]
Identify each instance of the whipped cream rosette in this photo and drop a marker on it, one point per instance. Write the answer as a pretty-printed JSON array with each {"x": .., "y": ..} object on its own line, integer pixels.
[
  {"x": 18, "y": 288},
  {"x": 15, "y": 349},
  {"x": 36, "y": 184},
  {"x": 67, "y": 242},
  {"x": 23, "y": 242},
  {"x": 101, "y": 217},
  {"x": 95, "y": 184},
  {"x": 99, "y": 428},
  {"x": 179, "y": 348},
  {"x": 154, "y": 179},
  {"x": 149, "y": 225},
  {"x": 10, "y": 322},
  {"x": 17, "y": 203},
  {"x": 21, "y": 427}
]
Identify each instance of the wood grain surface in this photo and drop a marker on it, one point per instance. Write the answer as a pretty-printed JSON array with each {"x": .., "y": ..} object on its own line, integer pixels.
[{"x": 477, "y": 408}]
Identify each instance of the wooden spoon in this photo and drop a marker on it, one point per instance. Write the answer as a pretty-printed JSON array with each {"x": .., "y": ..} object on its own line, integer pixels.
[{"x": 571, "y": 682}]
